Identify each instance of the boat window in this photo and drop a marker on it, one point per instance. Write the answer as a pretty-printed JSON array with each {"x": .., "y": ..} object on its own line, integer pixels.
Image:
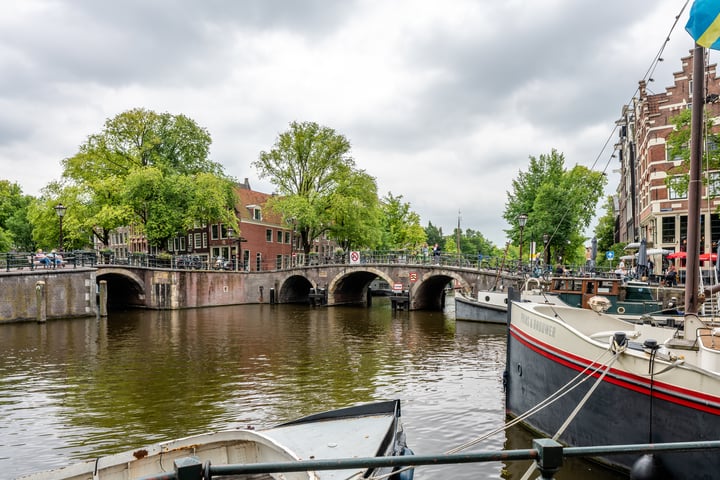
[
  {"x": 576, "y": 286},
  {"x": 589, "y": 288}
]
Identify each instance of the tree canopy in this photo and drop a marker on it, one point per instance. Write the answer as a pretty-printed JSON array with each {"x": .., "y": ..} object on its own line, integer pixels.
[
  {"x": 146, "y": 169},
  {"x": 678, "y": 148},
  {"x": 319, "y": 187},
  {"x": 15, "y": 230},
  {"x": 401, "y": 227},
  {"x": 559, "y": 203}
]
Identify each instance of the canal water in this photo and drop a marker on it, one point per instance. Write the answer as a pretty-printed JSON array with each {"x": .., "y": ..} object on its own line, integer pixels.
[{"x": 75, "y": 389}]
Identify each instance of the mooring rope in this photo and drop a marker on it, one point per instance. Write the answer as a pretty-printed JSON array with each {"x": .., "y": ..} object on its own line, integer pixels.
[
  {"x": 561, "y": 392},
  {"x": 578, "y": 407}
]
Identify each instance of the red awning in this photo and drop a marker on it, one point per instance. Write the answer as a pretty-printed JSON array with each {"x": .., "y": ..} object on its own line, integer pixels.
[
  {"x": 677, "y": 255},
  {"x": 708, "y": 256}
]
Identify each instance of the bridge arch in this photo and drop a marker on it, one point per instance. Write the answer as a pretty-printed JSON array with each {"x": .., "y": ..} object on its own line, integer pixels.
[
  {"x": 295, "y": 289},
  {"x": 352, "y": 287},
  {"x": 125, "y": 288},
  {"x": 429, "y": 292}
]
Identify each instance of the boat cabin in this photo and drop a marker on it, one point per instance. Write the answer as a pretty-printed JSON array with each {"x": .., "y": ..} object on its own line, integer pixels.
[{"x": 626, "y": 297}]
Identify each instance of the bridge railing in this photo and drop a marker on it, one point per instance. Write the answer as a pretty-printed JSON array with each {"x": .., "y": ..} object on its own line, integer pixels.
[
  {"x": 10, "y": 261},
  {"x": 84, "y": 258}
]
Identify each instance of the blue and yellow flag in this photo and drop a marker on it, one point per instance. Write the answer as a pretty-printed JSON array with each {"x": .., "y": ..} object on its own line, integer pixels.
[{"x": 704, "y": 23}]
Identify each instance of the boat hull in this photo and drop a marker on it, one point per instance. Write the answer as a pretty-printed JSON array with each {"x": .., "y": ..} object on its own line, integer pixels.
[
  {"x": 494, "y": 310},
  {"x": 543, "y": 356}
]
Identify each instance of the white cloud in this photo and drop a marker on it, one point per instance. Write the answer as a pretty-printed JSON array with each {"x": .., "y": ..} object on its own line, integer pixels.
[{"x": 442, "y": 102}]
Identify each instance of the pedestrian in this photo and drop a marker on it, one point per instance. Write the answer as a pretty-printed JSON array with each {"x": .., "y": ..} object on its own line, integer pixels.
[
  {"x": 671, "y": 276},
  {"x": 42, "y": 258},
  {"x": 436, "y": 254}
]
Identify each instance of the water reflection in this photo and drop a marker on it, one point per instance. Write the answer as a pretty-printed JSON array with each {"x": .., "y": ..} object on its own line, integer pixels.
[{"x": 79, "y": 388}]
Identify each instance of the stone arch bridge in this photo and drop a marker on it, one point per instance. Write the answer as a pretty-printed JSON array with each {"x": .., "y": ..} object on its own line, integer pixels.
[{"x": 340, "y": 284}]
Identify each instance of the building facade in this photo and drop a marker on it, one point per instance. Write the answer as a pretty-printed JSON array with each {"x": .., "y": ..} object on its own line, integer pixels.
[{"x": 646, "y": 207}]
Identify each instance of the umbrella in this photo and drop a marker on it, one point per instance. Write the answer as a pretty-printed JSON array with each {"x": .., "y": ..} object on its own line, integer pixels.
[
  {"x": 593, "y": 254},
  {"x": 636, "y": 245},
  {"x": 658, "y": 251},
  {"x": 708, "y": 256},
  {"x": 677, "y": 255},
  {"x": 642, "y": 258},
  {"x": 627, "y": 257}
]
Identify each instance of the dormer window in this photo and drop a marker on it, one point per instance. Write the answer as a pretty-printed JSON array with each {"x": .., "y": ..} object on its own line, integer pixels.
[{"x": 255, "y": 212}]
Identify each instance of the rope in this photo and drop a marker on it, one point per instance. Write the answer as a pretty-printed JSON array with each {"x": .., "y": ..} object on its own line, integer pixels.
[
  {"x": 577, "y": 409},
  {"x": 561, "y": 392}
]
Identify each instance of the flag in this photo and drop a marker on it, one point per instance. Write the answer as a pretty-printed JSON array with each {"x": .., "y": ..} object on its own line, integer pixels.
[{"x": 704, "y": 23}]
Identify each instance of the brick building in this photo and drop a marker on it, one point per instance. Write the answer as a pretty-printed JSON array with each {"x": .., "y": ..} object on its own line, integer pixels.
[{"x": 647, "y": 208}]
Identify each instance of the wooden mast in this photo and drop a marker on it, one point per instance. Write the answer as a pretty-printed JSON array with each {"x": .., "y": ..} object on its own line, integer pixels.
[{"x": 692, "y": 270}]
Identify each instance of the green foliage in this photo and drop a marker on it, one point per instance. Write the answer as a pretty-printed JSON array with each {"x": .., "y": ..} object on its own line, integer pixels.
[
  {"x": 434, "y": 235},
  {"x": 678, "y": 148},
  {"x": 319, "y": 188},
  {"x": 148, "y": 170},
  {"x": 400, "y": 225},
  {"x": 559, "y": 203},
  {"x": 605, "y": 229},
  {"x": 15, "y": 229}
]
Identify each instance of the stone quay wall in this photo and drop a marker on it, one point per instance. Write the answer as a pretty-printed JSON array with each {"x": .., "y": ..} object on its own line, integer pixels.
[{"x": 47, "y": 294}]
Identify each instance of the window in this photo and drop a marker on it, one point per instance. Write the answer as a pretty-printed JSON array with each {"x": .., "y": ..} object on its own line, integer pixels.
[
  {"x": 287, "y": 237},
  {"x": 673, "y": 194},
  {"x": 713, "y": 184},
  {"x": 215, "y": 231},
  {"x": 668, "y": 229},
  {"x": 268, "y": 235},
  {"x": 278, "y": 262},
  {"x": 255, "y": 212},
  {"x": 198, "y": 240},
  {"x": 279, "y": 236}
]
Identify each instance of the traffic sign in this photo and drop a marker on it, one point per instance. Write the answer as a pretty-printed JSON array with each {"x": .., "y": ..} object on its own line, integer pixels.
[
  {"x": 397, "y": 287},
  {"x": 354, "y": 257},
  {"x": 413, "y": 276},
  {"x": 609, "y": 255}
]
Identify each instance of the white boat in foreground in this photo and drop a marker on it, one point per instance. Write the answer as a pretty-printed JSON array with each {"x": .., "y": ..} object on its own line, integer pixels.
[
  {"x": 361, "y": 431},
  {"x": 653, "y": 384}
]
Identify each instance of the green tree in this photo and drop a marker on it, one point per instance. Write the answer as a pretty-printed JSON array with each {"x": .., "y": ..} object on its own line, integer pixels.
[
  {"x": 15, "y": 229},
  {"x": 678, "y": 147},
  {"x": 149, "y": 170},
  {"x": 605, "y": 229},
  {"x": 400, "y": 225},
  {"x": 559, "y": 203},
  {"x": 319, "y": 187},
  {"x": 434, "y": 235}
]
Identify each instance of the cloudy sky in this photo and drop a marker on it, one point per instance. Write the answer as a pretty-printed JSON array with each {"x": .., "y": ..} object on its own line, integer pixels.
[{"x": 443, "y": 102}]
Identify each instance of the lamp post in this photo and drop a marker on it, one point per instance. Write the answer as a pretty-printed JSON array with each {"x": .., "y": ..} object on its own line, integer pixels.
[
  {"x": 546, "y": 239},
  {"x": 231, "y": 235},
  {"x": 522, "y": 220},
  {"x": 60, "y": 210},
  {"x": 292, "y": 221}
]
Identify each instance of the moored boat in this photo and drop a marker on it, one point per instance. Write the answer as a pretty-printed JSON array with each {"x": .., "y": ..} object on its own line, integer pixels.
[
  {"x": 361, "y": 431},
  {"x": 491, "y": 306},
  {"x": 631, "y": 300},
  {"x": 652, "y": 387},
  {"x": 587, "y": 378}
]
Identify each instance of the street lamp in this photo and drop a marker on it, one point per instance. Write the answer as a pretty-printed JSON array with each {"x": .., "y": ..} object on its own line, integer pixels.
[
  {"x": 60, "y": 210},
  {"x": 522, "y": 220},
  {"x": 546, "y": 239},
  {"x": 292, "y": 221},
  {"x": 231, "y": 234}
]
